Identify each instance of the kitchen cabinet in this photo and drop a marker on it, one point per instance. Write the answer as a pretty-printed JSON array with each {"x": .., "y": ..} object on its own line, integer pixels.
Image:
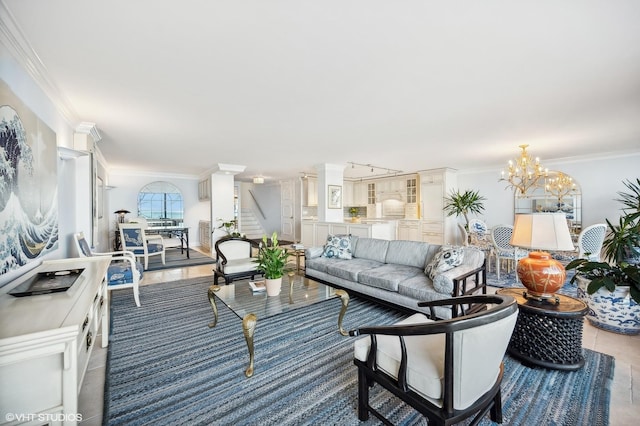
[
  {"x": 204, "y": 190},
  {"x": 409, "y": 230},
  {"x": 314, "y": 234},
  {"x": 347, "y": 194},
  {"x": 310, "y": 192},
  {"x": 435, "y": 185},
  {"x": 359, "y": 194}
]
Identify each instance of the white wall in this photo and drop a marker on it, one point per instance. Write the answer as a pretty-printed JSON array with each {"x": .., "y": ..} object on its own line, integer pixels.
[
  {"x": 124, "y": 195},
  {"x": 599, "y": 180}
]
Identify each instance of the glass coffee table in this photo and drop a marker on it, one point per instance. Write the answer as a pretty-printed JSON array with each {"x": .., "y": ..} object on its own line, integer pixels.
[{"x": 297, "y": 292}]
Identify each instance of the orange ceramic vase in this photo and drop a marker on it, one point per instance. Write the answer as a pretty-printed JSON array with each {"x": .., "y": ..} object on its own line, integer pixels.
[{"x": 541, "y": 274}]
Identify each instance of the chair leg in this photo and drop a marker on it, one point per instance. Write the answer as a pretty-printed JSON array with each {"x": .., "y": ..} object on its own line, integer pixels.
[
  {"x": 136, "y": 294},
  {"x": 498, "y": 266},
  {"x": 496, "y": 410},
  {"x": 363, "y": 396},
  {"x": 162, "y": 257}
]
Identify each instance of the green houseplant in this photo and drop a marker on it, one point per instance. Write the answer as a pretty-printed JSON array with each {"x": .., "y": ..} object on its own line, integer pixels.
[
  {"x": 272, "y": 260},
  {"x": 609, "y": 284},
  {"x": 457, "y": 203}
]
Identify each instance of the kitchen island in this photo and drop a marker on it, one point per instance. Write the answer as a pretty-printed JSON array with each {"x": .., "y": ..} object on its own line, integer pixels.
[{"x": 314, "y": 233}]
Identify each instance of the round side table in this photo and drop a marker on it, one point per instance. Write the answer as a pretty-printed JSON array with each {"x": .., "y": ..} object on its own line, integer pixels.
[{"x": 547, "y": 333}]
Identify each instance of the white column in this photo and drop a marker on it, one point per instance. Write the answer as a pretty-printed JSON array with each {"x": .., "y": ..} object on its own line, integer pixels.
[{"x": 329, "y": 174}]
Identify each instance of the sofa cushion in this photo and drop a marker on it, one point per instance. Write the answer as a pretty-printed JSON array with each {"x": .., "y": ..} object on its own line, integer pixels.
[
  {"x": 349, "y": 269},
  {"x": 371, "y": 248},
  {"x": 322, "y": 263},
  {"x": 410, "y": 253},
  {"x": 388, "y": 276},
  {"x": 421, "y": 289},
  {"x": 447, "y": 258},
  {"x": 338, "y": 246}
]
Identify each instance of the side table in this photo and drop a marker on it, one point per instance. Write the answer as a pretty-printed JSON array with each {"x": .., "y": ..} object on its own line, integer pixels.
[{"x": 547, "y": 334}]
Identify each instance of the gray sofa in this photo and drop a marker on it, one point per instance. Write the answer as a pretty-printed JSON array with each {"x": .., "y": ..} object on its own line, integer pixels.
[{"x": 393, "y": 273}]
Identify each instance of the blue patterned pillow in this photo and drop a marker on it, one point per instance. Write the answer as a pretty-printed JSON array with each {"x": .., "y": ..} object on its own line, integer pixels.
[
  {"x": 447, "y": 258},
  {"x": 338, "y": 246}
]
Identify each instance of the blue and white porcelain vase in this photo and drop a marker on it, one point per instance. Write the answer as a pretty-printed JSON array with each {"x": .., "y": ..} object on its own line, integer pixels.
[{"x": 612, "y": 311}]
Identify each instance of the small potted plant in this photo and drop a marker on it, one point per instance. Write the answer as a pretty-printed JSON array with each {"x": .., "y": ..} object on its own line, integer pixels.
[
  {"x": 353, "y": 211},
  {"x": 230, "y": 227},
  {"x": 272, "y": 260},
  {"x": 611, "y": 289},
  {"x": 469, "y": 201}
]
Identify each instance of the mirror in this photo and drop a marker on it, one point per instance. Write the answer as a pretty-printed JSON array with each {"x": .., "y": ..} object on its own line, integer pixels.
[
  {"x": 161, "y": 204},
  {"x": 560, "y": 193}
]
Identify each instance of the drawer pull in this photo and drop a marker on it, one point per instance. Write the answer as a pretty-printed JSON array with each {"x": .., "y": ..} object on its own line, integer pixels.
[
  {"x": 101, "y": 301},
  {"x": 85, "y": 323},
  {"x": 89, "y": 340}
]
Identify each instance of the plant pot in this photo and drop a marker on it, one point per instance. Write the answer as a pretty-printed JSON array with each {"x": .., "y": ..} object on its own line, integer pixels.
[
  {"x": 273, "y": 286},
  {"x": 615, "y": 312}
]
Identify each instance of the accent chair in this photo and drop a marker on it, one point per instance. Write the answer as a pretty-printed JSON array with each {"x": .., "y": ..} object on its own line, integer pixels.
[{"x": 134, "y": 239}]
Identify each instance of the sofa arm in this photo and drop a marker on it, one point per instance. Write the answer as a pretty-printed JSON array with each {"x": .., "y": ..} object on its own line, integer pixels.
[
  {"x": 313, "y": 252},
  {"x": 447, "y": 282}
]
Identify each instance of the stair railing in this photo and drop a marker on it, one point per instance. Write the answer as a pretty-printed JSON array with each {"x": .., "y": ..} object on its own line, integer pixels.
[{"x": 257, "y": 204}]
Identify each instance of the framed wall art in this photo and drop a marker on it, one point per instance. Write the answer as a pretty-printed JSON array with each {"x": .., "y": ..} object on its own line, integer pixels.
[{"x": 335, "y": 197}]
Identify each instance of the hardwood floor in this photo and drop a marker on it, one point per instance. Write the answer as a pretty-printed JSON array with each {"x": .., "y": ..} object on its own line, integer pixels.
[{"x": 625, "y": 391}]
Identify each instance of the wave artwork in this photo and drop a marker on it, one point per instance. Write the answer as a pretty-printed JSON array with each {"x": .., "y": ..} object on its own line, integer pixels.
[{"x": 28, "y": 186}]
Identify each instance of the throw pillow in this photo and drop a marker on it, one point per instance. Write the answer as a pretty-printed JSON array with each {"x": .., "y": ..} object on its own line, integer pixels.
[
  {"x": 338, "y": 246},
  {"x": 447, "y": 258}
]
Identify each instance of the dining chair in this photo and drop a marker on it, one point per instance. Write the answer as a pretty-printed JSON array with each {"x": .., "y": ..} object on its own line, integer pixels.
[
  {"x": 123, "y": 272},
  {"x": 503, "y": 250},
  {"x": 590, "y": 242},
  {"x": 479, "y": 236},
  {"x": 134, "y": 239}
]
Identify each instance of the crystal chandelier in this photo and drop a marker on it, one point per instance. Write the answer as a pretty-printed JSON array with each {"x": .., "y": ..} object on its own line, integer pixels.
[
  {"x": 523, "y": 172},
  {"x": 560, "y": 186}
]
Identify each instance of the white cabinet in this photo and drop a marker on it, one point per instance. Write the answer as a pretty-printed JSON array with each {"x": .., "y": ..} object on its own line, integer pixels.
[
  {"x": 347, "y": 194},
  {"x": 46, "y": 340},
  {"x": 409, "y": 230},
  {"x": 435, "y": 185},
  {"x": 307, "y": 232},
  {"x": 204, "y": 232},
  {"x": 310, "y": 192},
  {"x": 359, "y": 194},
  {"x": 315, "y": 234}
]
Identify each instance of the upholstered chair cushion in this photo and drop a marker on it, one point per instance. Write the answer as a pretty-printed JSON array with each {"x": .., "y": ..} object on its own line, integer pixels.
[
  {"x": 478, "y": 353},
  {"x": 120, "y": 272}
]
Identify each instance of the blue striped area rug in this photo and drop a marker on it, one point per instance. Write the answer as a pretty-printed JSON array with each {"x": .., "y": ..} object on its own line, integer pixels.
[{"x": 165, "y": 366}]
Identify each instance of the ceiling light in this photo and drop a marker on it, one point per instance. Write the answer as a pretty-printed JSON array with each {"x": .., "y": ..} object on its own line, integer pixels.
[
  {"x": 523, "y": 172},
  {"x": 258, "y": 180}
]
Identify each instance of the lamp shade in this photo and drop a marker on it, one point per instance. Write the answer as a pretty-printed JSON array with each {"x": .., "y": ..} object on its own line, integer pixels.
[{"x": 542, "y": 231}]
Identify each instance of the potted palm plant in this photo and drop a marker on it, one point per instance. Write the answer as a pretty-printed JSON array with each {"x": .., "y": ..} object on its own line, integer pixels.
[
  {"x": 611, "y": 289},
  {"x": 464, "y": 203},
  {"x": 272, "y": 260}
]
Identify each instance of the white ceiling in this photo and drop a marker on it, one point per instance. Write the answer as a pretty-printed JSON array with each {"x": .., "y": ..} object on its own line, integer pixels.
[{"x": 283, "y": 85}]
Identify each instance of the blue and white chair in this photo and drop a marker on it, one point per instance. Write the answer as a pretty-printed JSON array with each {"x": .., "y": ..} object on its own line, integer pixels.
[
  {"x": 123, "y": 272},
  {"x": 134, "y": 239},
  {"x": 590, "y": 242},
  {"x": 503, "y": 250}
]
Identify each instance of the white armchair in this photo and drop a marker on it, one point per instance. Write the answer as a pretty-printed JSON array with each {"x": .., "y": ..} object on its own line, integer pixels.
[{"x": 134, "y": 239}]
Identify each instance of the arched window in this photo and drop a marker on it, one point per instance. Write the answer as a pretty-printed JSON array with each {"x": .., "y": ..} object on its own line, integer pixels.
[{"x": 161, "y": 201}]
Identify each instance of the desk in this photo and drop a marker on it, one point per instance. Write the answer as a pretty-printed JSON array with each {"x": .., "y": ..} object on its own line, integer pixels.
[
  {"x": 547, "y": 334},
  {"x": 180, "y": 232}
]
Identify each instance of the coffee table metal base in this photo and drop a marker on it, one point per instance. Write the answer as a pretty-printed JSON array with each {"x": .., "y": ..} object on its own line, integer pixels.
[{"x": 250, "y": 320}]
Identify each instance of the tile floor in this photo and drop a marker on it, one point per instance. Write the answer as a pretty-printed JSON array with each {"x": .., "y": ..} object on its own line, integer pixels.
[{"x": 625, "y": 392}]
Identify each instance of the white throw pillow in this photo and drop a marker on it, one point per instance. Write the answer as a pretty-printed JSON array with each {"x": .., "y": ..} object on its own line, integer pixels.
[
  {"x": 338, "y": 246},
  {"x": 447, "y": 258}
]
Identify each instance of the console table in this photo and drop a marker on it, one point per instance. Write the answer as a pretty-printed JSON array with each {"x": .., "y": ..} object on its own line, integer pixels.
[
  {"x": 547, "y": 334},
  {"x": 46, "y": 341}
]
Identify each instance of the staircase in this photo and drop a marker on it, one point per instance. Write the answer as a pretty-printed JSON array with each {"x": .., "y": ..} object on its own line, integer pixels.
[{"x": 249, "y": 225}]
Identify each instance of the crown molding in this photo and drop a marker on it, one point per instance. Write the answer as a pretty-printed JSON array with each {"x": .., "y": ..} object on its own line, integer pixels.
[
  {"x": 19, "y": 47},
  {"x": 89, "y": 129}
]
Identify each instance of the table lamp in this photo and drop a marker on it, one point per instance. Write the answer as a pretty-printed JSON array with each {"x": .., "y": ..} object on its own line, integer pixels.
[
  {"x": 540, "y": 273},
  {"x": 121, "y": 214}
]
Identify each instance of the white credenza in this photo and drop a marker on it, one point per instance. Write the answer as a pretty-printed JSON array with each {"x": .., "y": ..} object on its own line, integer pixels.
[{"x": 46, "y": 341}]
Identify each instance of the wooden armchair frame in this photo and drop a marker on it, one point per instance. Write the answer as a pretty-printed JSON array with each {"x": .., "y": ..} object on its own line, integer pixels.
[{"x": 498, "y": 307}]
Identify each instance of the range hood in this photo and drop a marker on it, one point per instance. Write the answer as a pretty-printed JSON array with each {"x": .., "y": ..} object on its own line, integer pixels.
[{"x": 394, "y": 195}]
